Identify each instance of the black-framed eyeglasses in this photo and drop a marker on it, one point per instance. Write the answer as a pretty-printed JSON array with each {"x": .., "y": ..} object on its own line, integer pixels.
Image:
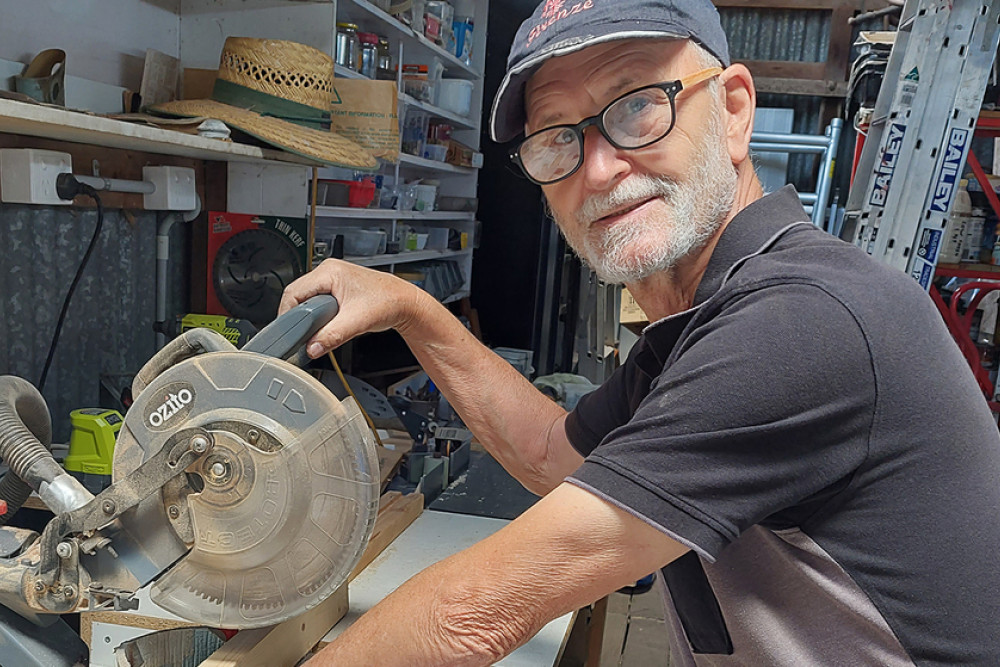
[{"x": 637, "y": 119}]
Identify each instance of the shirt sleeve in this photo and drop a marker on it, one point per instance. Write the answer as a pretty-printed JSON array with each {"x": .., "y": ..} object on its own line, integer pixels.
[
  {"x": 608, "y": 406},
  {"x": 764, "y": 409}
]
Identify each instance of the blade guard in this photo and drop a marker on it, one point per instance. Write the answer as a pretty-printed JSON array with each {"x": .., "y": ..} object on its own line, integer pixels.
[{"x": 290, "y": 489}]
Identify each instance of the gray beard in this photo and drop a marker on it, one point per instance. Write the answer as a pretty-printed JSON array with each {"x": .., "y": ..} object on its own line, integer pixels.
[{"x": 695, "y": 211}]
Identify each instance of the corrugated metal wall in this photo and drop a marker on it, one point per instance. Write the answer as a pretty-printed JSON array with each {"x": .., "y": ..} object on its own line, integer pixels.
[
  {"x": 796, "y": 35},
  {"x": 108, "y": 327}
]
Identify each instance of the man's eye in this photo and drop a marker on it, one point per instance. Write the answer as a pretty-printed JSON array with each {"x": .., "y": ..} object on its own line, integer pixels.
[
  {"x": 564, "y": 137},
  {"x": 636, "y": 105}
]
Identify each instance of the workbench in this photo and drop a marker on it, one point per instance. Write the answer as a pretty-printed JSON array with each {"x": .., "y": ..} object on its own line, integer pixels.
[{"x": 433, "y": 537}]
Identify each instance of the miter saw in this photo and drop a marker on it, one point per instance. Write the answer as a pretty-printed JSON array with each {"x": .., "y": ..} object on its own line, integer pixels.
[{"x": 243, "y": 491}]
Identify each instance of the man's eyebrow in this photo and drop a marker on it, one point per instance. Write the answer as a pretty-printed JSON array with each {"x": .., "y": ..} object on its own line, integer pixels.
[{"x": 614, "y": 91}]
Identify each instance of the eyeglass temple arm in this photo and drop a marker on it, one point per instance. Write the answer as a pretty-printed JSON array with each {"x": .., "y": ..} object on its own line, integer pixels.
[{"x": 698, "y": 77}]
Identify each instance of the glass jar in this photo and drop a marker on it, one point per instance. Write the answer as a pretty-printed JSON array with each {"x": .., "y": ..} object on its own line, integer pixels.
[
  {"x": 369, "y": 54},
  {"x": 384, "y": 57},
  {"x": 348, "y": 46}
]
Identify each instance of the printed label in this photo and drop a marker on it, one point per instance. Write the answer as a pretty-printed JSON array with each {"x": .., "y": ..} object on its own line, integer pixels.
[
  {"x": 954, "y": 152},
  {"x": 930, "y": 244},
  {"x": 887, "y": 165},
  {"x": 174, "y": 403}
]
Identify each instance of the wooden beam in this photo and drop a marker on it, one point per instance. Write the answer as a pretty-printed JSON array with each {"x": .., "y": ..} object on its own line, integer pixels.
[
  {"x": 785, "y": 69},
  {"x": 827, "y": 5},
  {"x": 781, "y": 86}
]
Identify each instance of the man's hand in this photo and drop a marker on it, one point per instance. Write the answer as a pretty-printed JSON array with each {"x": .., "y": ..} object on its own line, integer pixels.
[{"x": 369, "y": 301}]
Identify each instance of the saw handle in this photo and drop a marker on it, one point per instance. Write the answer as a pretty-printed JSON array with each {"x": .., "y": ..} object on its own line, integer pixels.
[{"x": 285, "y": 337}]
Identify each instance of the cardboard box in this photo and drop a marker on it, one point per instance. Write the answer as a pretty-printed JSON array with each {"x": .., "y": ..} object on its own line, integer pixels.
[
  {"x": 630, "y": 312},
  {"x": 459, "y": 154}
]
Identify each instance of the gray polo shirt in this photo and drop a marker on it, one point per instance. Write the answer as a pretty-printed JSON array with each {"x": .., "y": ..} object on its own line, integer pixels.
[{"x": 810, "y": 430}]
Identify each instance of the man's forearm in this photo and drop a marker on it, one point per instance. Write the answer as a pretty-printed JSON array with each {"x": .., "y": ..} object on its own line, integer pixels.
[{"x": 510, "y": 417}]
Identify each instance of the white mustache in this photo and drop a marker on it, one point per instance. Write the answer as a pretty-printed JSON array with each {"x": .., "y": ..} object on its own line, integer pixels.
[{"x": 628, "y": 194}]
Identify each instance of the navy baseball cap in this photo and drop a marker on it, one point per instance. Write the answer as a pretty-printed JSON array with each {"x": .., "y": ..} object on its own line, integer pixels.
[{"x": 560, "y": 27}]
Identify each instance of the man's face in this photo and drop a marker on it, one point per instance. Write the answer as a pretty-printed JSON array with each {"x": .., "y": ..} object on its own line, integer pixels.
[{"x": 632, "y": 213}]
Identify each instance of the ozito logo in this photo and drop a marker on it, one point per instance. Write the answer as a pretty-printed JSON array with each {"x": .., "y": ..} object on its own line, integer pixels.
[
  {"x": 954, "y": 152},
  {"x": 887, "y": 165},
  {"x": 173, "y": 402}
]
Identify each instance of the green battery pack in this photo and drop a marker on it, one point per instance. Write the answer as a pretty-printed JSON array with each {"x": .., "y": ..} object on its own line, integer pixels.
[{"x": 92, "y": 446}]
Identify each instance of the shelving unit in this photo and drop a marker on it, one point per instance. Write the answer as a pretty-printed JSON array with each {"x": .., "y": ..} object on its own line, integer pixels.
[
  {"x": 410, "y": 47},
  {"x": 390, "y": 214}
]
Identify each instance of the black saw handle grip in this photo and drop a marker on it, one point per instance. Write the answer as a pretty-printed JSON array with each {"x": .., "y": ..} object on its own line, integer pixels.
[{"x": 285, "y": 336}]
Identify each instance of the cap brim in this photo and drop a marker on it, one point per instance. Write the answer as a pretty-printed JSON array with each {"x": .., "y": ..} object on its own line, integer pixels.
[
  {"x": 326, "y": 147},
  {"x": 507, "y": 116}
]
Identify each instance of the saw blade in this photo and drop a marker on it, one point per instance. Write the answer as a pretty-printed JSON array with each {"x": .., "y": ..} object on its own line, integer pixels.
[
  {"x": 250, "y": 272},
  {"x": 288, "y": 492}
]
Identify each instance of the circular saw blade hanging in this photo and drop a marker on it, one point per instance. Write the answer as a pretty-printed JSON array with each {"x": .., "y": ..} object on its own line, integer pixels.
[{"x": 251, "y": 270}]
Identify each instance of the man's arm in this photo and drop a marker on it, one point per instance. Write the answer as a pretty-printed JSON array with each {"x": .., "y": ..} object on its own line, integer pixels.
[
  {"x": 566, "y": 551},
  {"x": 519, "y": 426}
]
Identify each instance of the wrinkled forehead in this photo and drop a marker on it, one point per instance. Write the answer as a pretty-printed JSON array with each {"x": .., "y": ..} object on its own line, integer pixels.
[{"x": 582, "y": 83}]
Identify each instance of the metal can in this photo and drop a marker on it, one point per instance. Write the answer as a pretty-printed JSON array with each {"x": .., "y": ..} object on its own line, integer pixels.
[{"x": 348, "y": 46}]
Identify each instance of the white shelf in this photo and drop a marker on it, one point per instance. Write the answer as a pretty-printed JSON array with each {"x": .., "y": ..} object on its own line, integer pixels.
[
  {"x": 432, "y": 165},
  {"x": 463, "y": 122},
  {"x": 390, "y": 214},
  {"x": 53, "y": 123},
  {"x": 407, "y": 257},
  {"x": 347, "y": 73},
  {"x": 363, "y": 12}
]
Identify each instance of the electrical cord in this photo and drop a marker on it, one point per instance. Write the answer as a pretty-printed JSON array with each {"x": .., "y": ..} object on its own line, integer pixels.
[
  {"x": 364, "y": 412},
  {"x": 67, "y": 187}
]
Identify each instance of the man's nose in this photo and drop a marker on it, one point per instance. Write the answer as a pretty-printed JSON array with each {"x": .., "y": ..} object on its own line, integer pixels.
[{"x": 603, "y": 164}]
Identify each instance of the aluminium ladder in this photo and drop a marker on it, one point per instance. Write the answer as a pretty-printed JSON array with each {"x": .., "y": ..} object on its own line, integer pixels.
[{"x": 921, "y": 131}]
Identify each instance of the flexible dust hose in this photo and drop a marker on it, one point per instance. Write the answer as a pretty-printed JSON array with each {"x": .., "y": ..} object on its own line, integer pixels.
[{"x": 25, "y": 438}]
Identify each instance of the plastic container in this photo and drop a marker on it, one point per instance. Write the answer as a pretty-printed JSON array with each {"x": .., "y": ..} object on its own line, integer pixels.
[
  {"x": 436, "y": 152},
  {"x": 368, "y": 63},
  {"x": 437, "y": 238},
  {"x": 519, "y": 359},
  {"x": 954, "y": 231},
  {"x": 356, "y": 194},
  {"x": 425, "y": 196},
  {"x": 455, "y": 95},
  {"x": 362, "y": 242}
]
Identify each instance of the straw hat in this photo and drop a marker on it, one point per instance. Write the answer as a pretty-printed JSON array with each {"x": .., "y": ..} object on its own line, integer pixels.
[{"x": 280, "y": 93}]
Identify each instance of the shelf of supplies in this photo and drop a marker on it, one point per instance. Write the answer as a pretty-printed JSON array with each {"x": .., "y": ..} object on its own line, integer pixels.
[
  {"x": 362, "y": 12},
  {"x": 63, "y": 125},
  {"x": 390, "y": 214},
  {"x": 407, "y": 257},
  {"x": 347, "y": 73},
  {"x": 462, "y": 122},
  {"x": 432, "y": 165}
]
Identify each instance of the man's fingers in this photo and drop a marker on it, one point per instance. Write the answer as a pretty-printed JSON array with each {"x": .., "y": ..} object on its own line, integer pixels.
[{"x": 317, "y": 281}]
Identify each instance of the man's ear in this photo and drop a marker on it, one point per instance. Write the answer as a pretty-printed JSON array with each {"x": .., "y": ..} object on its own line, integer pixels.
[{"x": 740, "y": 102}]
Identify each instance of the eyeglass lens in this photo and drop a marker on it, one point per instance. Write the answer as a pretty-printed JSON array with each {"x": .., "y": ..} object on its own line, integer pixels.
[{"x": 633, "y": 121}]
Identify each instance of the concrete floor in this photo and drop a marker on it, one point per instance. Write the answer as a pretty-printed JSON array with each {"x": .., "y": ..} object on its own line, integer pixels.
[{"x": 634, "y": 634}]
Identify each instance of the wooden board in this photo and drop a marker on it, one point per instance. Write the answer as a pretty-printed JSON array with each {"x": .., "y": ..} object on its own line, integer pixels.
[
  {"x": 388, "y": 464},
  {"x": 285, "y": 643},
  {"x": 395, "y": 513}
]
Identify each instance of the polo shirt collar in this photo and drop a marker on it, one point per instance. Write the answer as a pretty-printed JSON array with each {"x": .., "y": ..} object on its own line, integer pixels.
[{"x": 750, "y": 232}]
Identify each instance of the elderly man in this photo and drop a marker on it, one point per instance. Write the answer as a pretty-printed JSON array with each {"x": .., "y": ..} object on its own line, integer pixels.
[{"x": 795, "y": 444}]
